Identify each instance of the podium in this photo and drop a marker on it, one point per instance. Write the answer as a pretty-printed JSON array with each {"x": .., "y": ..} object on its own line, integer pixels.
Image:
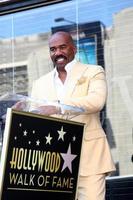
[{"x": 40, "y": 156}]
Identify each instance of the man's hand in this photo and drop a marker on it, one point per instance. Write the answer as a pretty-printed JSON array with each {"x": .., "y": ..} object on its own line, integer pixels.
[
  {"x": 43, "y": 110},
  {"x": 47, "y": 110},
  {"x": 20, "y": 105}
]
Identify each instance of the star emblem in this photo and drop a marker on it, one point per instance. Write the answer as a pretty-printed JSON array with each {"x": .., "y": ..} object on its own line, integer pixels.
[
  {"x": 20, "y": 125},
  {"x": 37, "y": 143},
  {"x": 29, "y": 142},
  {"x": 74, "y": 138},
  {"x": 68, "y": 158},
  {"x": 61, "y": 134},
  {"x": 25, "y": 133},
  {"x": 15, "y": 138},
  {"x": 48, "y": 139}
]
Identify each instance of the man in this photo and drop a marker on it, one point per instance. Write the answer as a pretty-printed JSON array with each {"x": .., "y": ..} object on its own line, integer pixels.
[{"x": 83, "y": 86}]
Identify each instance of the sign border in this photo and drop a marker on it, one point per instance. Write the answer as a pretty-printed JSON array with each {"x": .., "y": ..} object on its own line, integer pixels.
[{"x": 4, "y": 154}]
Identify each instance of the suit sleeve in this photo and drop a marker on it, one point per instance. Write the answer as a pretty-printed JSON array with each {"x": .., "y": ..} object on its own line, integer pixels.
[{"x": 96, "y": 96}]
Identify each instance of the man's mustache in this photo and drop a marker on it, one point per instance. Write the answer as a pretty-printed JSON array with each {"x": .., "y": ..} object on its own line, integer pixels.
[{"x": 60, "y": 56}]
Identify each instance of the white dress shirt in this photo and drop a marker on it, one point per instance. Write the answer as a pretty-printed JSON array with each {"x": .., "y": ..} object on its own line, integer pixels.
[{"x": 59, "y": 85}]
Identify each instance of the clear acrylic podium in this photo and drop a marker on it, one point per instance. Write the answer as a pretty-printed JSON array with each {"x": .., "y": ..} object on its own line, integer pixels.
[{"x": 29, "y": 104}]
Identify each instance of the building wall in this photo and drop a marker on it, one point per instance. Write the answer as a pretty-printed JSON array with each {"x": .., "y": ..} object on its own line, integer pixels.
[
  {"x": 30, "y": 56},
  {"x": 119, "y": 70}
]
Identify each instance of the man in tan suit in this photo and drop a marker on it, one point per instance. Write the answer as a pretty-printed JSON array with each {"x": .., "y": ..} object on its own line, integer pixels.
[{"x": 83, "y": 86}]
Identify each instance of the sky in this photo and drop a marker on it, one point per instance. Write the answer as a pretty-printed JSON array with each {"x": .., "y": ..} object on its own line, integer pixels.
[{"x": 41, "y": 20}]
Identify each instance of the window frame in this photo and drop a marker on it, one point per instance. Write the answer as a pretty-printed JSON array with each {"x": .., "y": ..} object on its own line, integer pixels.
[{"x": 12, "y": 6}]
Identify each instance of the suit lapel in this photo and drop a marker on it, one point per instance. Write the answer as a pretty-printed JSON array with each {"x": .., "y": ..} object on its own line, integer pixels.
[{"x": 76, "y": 73}]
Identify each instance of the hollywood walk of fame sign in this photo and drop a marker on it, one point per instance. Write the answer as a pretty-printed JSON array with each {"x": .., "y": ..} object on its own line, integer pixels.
[{"x": 40, "y": 157}]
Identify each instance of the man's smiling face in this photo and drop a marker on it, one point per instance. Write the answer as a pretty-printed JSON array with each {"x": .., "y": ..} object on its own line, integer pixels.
[{"x": 62, "y": 49}]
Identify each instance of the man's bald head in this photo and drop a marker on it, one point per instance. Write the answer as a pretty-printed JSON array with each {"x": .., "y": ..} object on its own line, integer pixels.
[{"x": 62, "y": 34}]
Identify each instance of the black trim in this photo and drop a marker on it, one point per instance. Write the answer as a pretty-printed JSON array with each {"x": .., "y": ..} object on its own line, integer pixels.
[
  {"x": 16, "y": 6},
  {"x": 119, "y": 188}
]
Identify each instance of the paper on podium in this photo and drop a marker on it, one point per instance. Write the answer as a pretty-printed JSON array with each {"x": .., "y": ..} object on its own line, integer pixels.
[{"x": 29, "y": 104}]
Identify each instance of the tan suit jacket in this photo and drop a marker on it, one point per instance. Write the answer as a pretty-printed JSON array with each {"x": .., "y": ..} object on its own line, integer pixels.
[{"x": 87, "y": 89}]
